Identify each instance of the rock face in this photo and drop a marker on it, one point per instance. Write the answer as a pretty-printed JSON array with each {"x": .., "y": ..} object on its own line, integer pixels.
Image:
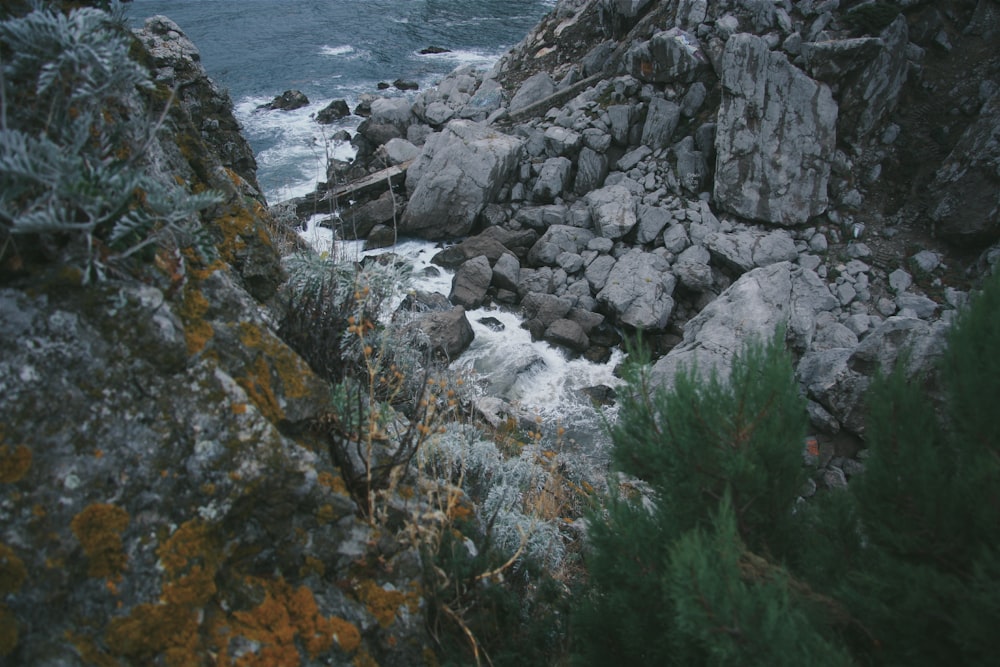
[
  {"x": 770, "y": 107},
  {"x": 752, "y": 308},
  {"x": 455, "y": 176},
  {"x": 966, "y": 189},
  {"x": 638, "y": 290}
]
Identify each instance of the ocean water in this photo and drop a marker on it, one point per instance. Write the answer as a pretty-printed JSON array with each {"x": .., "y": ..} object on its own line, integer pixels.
[{"x": 332, "y": 49}]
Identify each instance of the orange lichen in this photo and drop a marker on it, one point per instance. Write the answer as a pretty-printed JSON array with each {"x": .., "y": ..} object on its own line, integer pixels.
[
  {"x": 197, "y": 330},
  {"x": 382, "y": 604},
  {"x": 239, "y": 408},
  {"x": 333, "y": 482},
  {"x": 152, "y": 630},
  {"x": 257, "y": 384},
  {"x": 192, "y": 543},
  {"x": 8, "y": 631},
  {"x": 194, "y": 589},
  {"x": 12, "y": 571},
  {"x": 363, "y": 659},
  {"x": 98, "y": 528},
  {"x": 14, "y": 463},
  {"x": 287, "y": 614},
  {"x": 325, "y": 514}
]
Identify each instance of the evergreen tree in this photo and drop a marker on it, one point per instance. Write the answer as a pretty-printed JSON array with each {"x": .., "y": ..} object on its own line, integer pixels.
[
  {"x": 928, "y": 590},
  {"x": 688, "y": 572}
]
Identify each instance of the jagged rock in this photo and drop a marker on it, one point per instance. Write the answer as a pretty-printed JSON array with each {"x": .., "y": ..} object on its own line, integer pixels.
[
  {"x": 333, "y": 111},
  {"x": 613, "y": 211},
  {"x": 965, "y": 193},
  {"x": 458, "y": 172},
  {"x": 558, "y": 239},
  {"x": 289, "y": 100},
  {"x": 567, "y": 333},
  {"x": 506, "y": 272},
  {"x": 769, "y": 107},
  {"x": 474, "y": 246},
  {"x": 692, "y": 169},
  {"x": 617, "y": 16},
  {"x": 745, "y": 249},
  {"x": 632, "y": 159},
  {"x": 534, "y": 89},
  {"x": 753, "y": 307},
  {"x": 830, "y": 61},
  {"x": 398, "y": 151},
  {"x": 553, "y": 179},
  {"x": 473, "y": 278},
  {"x": 562, "y": 142},
  {"x": 872, "y": 95},
  {"x": 591, "y": 170},
  {"x": 438, "y": 113},
  {"x": 651, "y": 221},
  {"x": 661, "y": 121},
  {"x": 692, "y": 269},
  {"x": 357, "y": 222},
  {"x": 540, "y": 310},
  {"x": 620, "y": 116},
  {"x": 445, "y": 334},
  {"x": 638, "y": 290},
  {"x": 597, "y": 272},
  {"x": 671, "y": 56},
  {"x": 535, "y": 280}
]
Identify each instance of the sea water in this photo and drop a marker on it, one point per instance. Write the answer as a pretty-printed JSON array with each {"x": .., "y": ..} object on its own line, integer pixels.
[{"x": 332, "y": 49}]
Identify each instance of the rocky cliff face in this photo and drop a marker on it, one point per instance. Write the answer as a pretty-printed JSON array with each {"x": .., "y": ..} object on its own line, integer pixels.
[{"x": 162, "y": 499}]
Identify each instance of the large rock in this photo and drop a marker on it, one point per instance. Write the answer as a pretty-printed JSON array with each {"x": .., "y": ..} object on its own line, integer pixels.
[
  {"x": 965, "y": 193},
  {"x": 591, "y": 170},
  {"x": 613, "y": 211},
  {"x": 639, "y": 289},
  {"x": 745, "y": 249},
  {"x": 871, "y": 95},
  {"x": 456, "y": 175},
  {"x": 671, "y": 56},
  {"x": 445, "y": 335},
  {"x": 556, "y": 240},
  {"x": 473, "y": 278},
  {"x": 552, "y": 179},
  {"x": 534, "y": 89},
  {"x": 771, "y": 108},
  {"x": 751, "y": 308},
  {"x": 661, "y": 121}
]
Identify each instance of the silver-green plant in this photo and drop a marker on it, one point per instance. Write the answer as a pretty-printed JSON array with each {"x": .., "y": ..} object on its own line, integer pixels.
[{"x": 74, "y": 138}]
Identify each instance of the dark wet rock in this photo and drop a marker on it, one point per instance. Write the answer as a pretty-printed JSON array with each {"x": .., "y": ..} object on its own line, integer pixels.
[
  {"x": 287, "y": 101},
  {"x": 332, "y": 112}
]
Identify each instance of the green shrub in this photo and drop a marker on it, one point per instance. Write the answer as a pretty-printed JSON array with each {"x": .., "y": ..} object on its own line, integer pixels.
[{"x": 75, "y": 183}]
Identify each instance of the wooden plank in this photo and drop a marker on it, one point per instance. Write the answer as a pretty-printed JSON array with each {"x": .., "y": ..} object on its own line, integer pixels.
[{"x": 375, "y": 183}]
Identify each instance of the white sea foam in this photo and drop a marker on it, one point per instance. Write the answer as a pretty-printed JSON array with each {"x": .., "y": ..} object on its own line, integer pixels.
[
  {"x": 297, "y": 147},
  {"x": 342, "y": 50}
]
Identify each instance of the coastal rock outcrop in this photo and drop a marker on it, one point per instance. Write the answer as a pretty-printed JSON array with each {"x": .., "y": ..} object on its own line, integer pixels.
[
  {"x": 770, "y": 107},
  {"x": 458, "y": 172}
]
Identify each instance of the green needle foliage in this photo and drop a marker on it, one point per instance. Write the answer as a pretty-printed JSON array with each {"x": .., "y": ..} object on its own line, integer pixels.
[{"x": 708, "y": 560}]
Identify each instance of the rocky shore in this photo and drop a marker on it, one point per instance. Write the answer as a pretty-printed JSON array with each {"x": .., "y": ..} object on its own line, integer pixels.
[{"x": 703, "y": 173}]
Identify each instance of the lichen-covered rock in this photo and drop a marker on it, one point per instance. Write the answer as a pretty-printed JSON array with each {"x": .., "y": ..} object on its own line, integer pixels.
[
  {"x": 771, "y": 108},
  {"x": 152, "y": 492}
]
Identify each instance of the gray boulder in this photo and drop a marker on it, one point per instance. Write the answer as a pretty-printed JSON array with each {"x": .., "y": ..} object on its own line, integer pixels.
[
  {"x": 534, "y": 89},
  {"x": 692, "y": 269},
  {"x": 751, "y": 308},
  {"x": 745, "y": 249},
  {"x": 597, "y": 272},
  {"x": 567, "y": 333},
  {"x": 770, "y": 107},
  {"x": 638, "y": 290},
  {"x": 473, "y": 278},
  {"x": 398, "y": 151},
  {"x": 455, "y": 176},
  {"x": 553, "y": 179},
  {"x": 507, "y": 272},
  {"x": 445, "y": 334},
  {"x": 671, "y": 56},
  {"x": 541, "y": 310},
  {"x": 591, "y": 170},
  {"x": 612, "y": 210},
  {"x": 661, "y": 121},
  {"x": 652, "y": 220},
  {"x": 556, "y": 240}
]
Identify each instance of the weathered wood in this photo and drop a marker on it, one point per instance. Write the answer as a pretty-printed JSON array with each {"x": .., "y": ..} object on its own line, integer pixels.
[{"x": 372, "y": 184}]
